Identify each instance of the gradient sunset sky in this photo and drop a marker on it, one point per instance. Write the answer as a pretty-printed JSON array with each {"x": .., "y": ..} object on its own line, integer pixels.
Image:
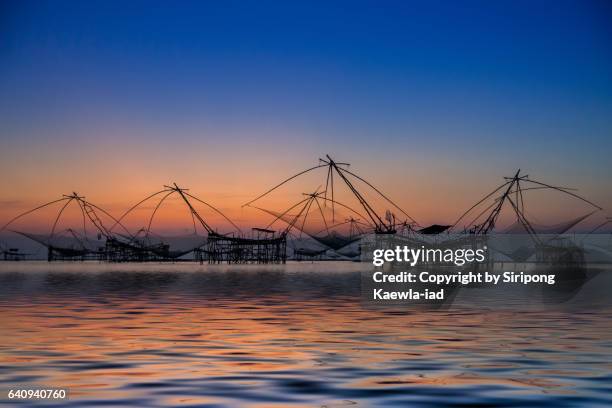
[{"x": 433, "y": 101}]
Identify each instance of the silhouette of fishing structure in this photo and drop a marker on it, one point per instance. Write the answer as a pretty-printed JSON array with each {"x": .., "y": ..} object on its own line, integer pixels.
[
  {"x": 115, "y": 243},
  {"x": 264, "y": 246},
  {"x": 327, "y": 230},
  {"x": 513, "y": 193},
  {"x": 337, "y": 228},
  {"x": 71, "y": 244},
  {"x": 548, "y": 245},
  {"x": 13, "y": 254},
  {"x": 328, "y": 235}
]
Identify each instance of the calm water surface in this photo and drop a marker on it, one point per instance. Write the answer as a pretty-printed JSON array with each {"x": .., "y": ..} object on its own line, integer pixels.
[{"x": 293, "y": 336}]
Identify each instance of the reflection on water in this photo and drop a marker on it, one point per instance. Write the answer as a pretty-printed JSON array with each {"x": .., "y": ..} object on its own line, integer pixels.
[{"x": 295, "y": 335}]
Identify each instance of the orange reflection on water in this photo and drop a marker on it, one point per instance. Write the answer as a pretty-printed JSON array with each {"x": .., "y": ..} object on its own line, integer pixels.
[{"x": 174, "y": 342}]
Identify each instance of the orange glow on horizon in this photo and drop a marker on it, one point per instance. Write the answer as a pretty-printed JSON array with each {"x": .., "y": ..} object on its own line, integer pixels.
[{"x": 437, "y": 196}]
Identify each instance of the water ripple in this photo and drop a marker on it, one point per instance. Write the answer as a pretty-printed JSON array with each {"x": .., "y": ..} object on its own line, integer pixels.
[{"x": 288, "y": 336}]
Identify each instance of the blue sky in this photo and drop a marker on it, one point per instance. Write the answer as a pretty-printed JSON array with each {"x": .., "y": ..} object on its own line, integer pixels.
[{"x": 446, "y": 90}]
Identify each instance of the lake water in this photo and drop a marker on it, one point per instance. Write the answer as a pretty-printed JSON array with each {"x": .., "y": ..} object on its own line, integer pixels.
[{"x": 294, "y": 336}]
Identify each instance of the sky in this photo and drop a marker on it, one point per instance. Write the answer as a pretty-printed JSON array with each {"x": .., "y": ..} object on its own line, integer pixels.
[{"x": 434, "y": 102}]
